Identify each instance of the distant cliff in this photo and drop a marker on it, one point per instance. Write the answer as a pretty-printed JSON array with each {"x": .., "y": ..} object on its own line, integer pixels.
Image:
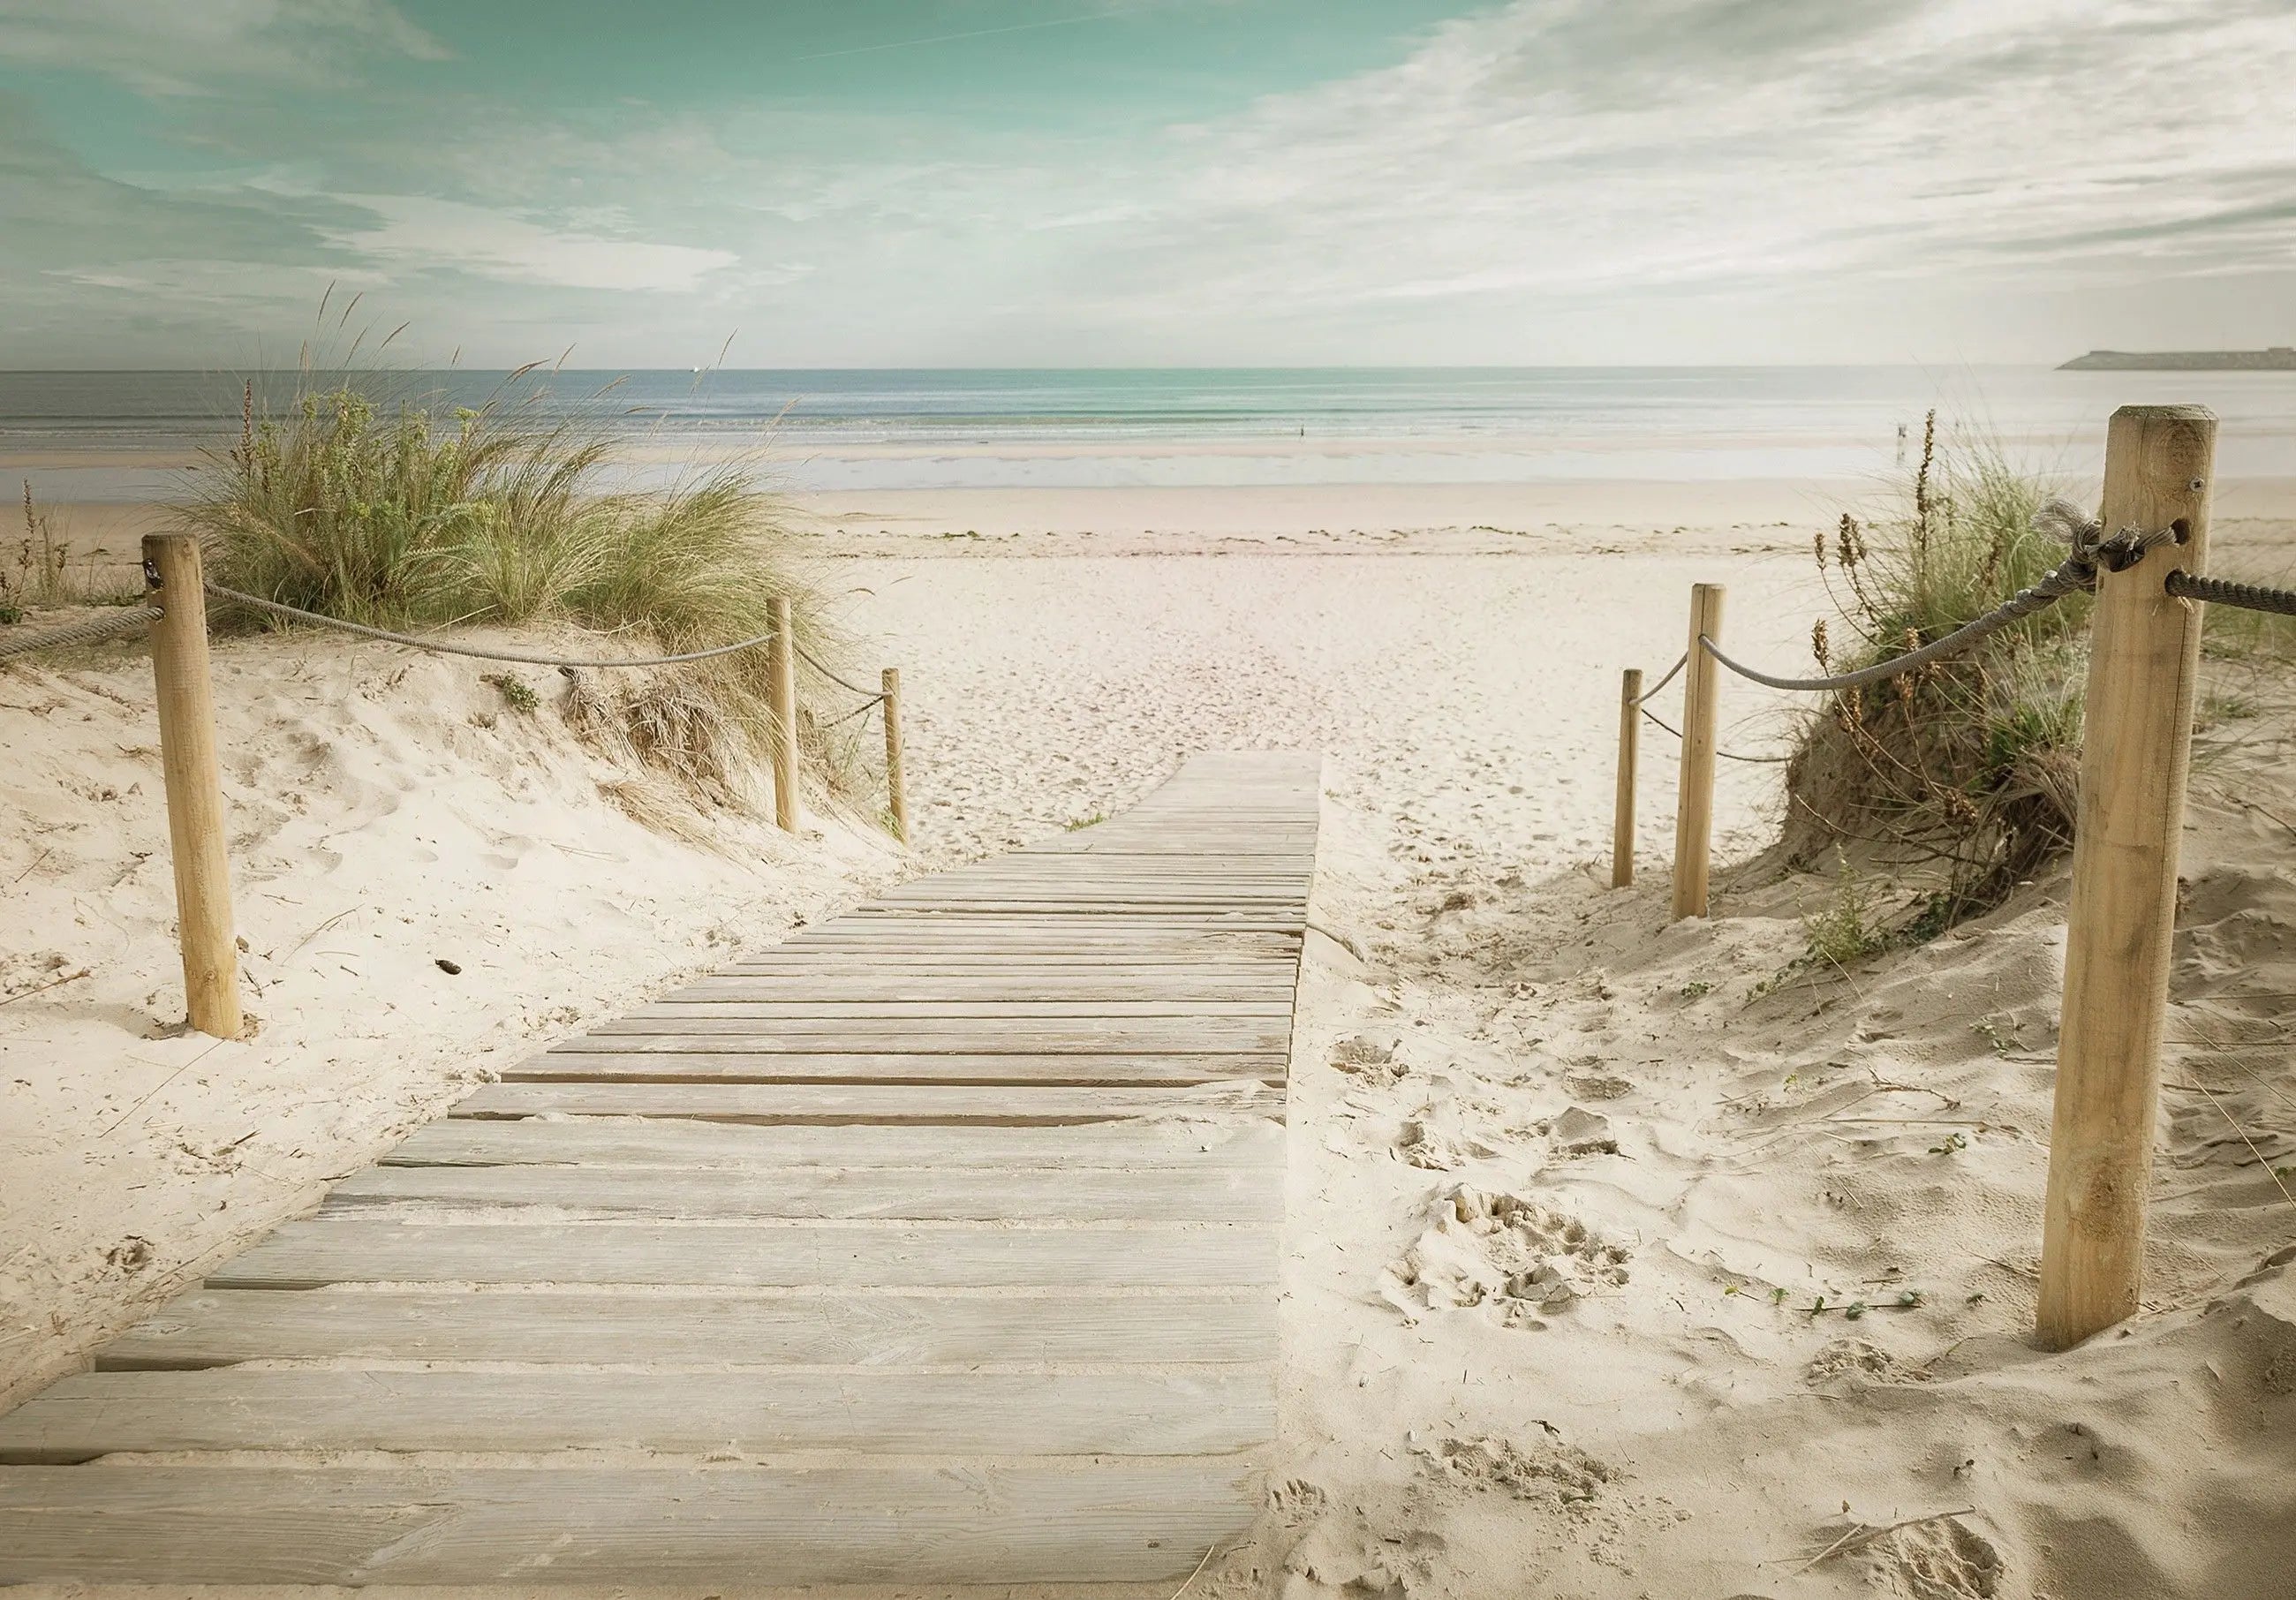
[{"x": 2279, "y": 358}]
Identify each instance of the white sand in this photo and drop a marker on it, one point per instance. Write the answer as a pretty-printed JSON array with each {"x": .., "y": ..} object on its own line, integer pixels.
[{"x": 1514, "y": 1367}]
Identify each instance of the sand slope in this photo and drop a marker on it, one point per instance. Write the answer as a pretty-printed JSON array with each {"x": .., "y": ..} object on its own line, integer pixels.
[{"x": 387, "y": 811}]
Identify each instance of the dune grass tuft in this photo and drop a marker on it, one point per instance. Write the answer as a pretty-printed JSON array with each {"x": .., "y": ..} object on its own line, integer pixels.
[
  {"x": 391, "y": 514},
  {"x": 1962, "y": 776},
  {"x": 1966, "y": 766}
]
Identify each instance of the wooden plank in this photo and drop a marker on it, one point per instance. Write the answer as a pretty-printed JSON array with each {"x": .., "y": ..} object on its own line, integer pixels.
[
  {"x": 311, "y": 1253},
  {"x": 785, "y": 1005},
  {"x": 1040, "y": 1071},
  {"x": 1071, "y": 1522},
  {"x": 1201, "y": 1411},
  {"x": 220, "y": 1327},
  {"x": 961, "y": 977},
  {"x": 1212, "y": 1140},
  {"x": 830, "y": 1105},
  {"x": 1176, "y": 1193},
  {"x": 1012, "y": 1037}
]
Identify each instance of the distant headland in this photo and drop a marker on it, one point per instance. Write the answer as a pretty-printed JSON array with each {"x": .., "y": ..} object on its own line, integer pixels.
[{"x": 2279, "y": 358}]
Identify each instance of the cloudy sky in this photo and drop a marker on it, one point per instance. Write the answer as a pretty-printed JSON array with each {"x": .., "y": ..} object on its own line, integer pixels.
[{"x": 1147, "y": 182}]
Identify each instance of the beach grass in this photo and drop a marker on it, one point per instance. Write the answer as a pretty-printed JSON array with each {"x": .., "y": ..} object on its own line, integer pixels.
[
  {"x": 387, "y": 512},
  {"x": 1962, "y": 777},
  {"x": 47, "y": 569}
]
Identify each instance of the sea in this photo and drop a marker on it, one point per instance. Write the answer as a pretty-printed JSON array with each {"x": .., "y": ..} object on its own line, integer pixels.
[{"x": 117, "y": 435}]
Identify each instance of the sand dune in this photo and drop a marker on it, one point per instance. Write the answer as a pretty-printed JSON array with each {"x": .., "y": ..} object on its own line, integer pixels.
[{"x": 1608, "y": 1275}]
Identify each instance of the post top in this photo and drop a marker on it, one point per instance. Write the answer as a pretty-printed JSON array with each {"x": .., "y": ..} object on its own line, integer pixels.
[{"x": 2165, "y": 413}]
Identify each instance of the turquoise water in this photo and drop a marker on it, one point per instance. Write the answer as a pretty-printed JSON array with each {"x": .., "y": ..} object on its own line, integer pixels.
[{"x": 839, "y": 429}]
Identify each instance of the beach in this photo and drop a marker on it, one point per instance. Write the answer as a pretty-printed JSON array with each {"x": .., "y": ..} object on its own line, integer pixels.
[{"x": 1790, "y": 1228}]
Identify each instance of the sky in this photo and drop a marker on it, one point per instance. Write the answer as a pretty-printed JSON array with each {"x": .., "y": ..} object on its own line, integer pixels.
[{"x": 1143, "y": 183}]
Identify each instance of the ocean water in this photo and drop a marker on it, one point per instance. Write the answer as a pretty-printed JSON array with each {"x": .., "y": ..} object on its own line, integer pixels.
[{"x": 80, "y": 434}]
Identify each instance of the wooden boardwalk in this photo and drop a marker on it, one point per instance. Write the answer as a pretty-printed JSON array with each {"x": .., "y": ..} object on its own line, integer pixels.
[{"x": 936, "y": 1245}]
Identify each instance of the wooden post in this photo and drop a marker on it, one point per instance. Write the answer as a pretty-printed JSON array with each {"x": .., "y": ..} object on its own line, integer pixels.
[
  {"x": 187, "y": 761},
  {"x": 890, "y": 681},
  {"x": 1693, "y": 807},
  {"x": 2143, "y": 656},
  {"x": 780, "y": 690},
  {"x": 1622, "y": 824}
]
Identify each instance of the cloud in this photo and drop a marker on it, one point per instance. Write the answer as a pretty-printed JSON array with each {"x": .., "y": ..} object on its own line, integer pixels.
[
  {"x": 1559, "y": 155},
  {"x": 179, "y": 47},
  {"x": 441, "y": 233}
]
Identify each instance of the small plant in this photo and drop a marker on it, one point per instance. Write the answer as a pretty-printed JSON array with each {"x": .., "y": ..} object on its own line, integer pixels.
[
  {"x": 1085, "y": 821},
  {"x": 1846, "y": 930},
  {"x": 515, "y": 694},
  {"x": 1949, "y": 1144},
  {"x": 2001, "y": 1042},
  {"x": 42, "y": 563},
  {"x": 1696, "y": 989}
]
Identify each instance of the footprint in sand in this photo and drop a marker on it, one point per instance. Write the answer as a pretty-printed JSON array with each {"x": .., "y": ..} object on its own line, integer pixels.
[
  {"x": 1940, "y": 1560},
  {"x": 1516, "y": 1255}
]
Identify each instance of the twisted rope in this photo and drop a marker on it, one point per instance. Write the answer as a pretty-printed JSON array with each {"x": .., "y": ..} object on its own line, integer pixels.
[
  {"x": 806, "y": 656},
  {"x": 80, "y": 633},
  {"x": 863, "y": 709},
  {"x": 2076, "y": 575},
  {"x": 1726, "y": 755},
  {"x": 1680, "y": 661},
  {"x": 479, "y": 652},
  {"x": 2224, "y": 591}
]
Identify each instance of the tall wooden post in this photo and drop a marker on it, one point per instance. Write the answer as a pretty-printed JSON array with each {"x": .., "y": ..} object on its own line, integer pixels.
[
  {"x": 2144, "y": 650},
  {"x": 187, "y": 762},
  {"x": 1693, "y": 811},
  {"x": 781, "y": 692},
  {"x": 1622, "y": 822},
  {"x": 897, "y": 793}
]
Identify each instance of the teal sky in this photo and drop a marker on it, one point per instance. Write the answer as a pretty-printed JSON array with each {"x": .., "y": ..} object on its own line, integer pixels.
[{"x": 1145, "y": 181}]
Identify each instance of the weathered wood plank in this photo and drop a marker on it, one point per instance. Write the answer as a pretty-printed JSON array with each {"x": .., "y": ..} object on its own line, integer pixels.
[
  {"x": 1176, "y": 1193},
  {"x": 1009, "y": 1036},
  {"x": 573, "y": 1062},
  {"x": 221, "y": 1327},
  {"x": 1203, "y": 1411},
  {"x": 1210, "y": 1138},
  {"x": 780, "y": 1009},
  {"x": 829, "y": 1105},
  {"x": 956, "y": 1522},
  {"x": 312, "y": 1253}
]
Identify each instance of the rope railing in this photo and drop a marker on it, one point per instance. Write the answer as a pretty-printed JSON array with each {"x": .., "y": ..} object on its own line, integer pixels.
[
  {"x": 2076, "y": 575},
  {"x": 2224, "y": 591},
  {"x": 478, "y": 652},
  {"x": 1680, "y": 661},
  {"x": 1725, "y": 754},
  {"x": 94, "y": 630}
]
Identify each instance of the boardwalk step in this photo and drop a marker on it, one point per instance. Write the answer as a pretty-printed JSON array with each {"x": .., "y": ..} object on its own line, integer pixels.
[
  {"x": 220, "y": 1327},
  {"x": 838, "y": 1255},
  {"x": 1133, "y": 1521}
]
